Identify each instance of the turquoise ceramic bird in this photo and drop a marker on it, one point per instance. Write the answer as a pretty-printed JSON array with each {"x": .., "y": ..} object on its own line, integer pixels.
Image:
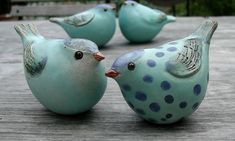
[
  {"x": 168, "y": 83},
  {"x": 66, "y": 76},
  {"x": 139, "y": 23},
  {"x": 97, "y": 24}
]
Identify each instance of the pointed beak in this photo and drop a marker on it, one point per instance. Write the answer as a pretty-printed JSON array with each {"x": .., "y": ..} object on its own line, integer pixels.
[
  {"x": 111, "y": 73},
  {"x": 98, "y": 56}
]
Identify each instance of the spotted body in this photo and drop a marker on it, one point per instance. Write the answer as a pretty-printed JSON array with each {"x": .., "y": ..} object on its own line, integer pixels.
[
  {"x": 66, "y": 76},
  {"x": 97, "y": 24},
  {"x": 166, "y": 83}
]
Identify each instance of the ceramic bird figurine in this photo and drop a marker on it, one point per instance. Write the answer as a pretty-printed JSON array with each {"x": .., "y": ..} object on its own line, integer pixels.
[
  {"x": 139, "y": 23},
  {"x": 97, "y": 24},
  {"x": 66, "y": 76},
  {"x": 167, "y": 83}
]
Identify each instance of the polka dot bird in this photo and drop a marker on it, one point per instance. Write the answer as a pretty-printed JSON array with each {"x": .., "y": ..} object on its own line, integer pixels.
[{"x": 166, "y": 83}]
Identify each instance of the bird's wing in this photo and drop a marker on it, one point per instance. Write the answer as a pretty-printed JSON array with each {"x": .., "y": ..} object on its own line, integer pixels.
[
  {"x": 80, "y": 19},
  {"x": 155, "y": 17},
  {"x": 188, "y": 60},
  {"x": 33, "y": 66}
]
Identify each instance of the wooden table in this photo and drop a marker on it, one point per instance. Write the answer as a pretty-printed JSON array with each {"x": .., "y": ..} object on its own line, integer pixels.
[{"x": 22, "y": 117}]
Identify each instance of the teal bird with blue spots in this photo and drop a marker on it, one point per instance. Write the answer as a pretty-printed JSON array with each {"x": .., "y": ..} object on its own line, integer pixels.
[
  {"x": 139, "y": 23},
  {"x": 167, "y": 83},
  {"x": 97, "y": 24},
  {"x": 66, "y": 76}
]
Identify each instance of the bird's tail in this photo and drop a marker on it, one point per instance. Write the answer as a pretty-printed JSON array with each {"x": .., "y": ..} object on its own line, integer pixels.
[
  {"x": 27, "y": 32},
  {"x": 206, "y": 29},
  {"x": 170, "y": 19},
  {"x": 55, "y": 20}
]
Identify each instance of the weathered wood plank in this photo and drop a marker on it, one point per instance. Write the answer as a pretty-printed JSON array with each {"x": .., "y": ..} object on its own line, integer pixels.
[
  {"x": 63, "y": 9},
  {"x": 23, "y": 118}
]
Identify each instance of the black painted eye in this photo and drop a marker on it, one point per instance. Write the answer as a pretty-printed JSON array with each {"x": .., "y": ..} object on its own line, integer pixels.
[
  {"x": 78, "y": 55},
  {"x": 105, "y": 10},
  {"x": 131, "y": 66}
]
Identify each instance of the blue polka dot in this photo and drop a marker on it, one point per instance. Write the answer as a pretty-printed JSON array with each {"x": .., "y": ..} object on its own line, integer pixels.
[
  {"x": 148, "y": 78},
  {"x": 197, "y": 89},
  {"x": 183, "y": 104},
  {"x": 151, "y": 63},
  {"x": 169, "y": 99},
  {"x": 172, "y": 49},
  {"x": 173, "y": 43},
  {"x": 159, "y": 54},
  {"x": 155, "y": 107},
  {"x": 140, "y": 96},
  {"x": 130, "y": 104},
  {"x": 126, "y": 87},
  {"x": 168, "y": 115},
  {"x": 195, "y": 106},
  {"x": 140, "y": 111},
  {"x": 165, "y": 85}
]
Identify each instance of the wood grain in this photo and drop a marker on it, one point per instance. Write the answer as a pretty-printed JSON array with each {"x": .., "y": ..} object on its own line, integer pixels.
[
  {"x": 22, "y": 117},
  {"x": 48, "y": 10}
]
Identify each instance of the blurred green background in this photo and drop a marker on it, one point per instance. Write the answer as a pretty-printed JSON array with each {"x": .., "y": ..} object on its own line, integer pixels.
[
  {"x": 208, "y": 8},
  {"x": 193, "y": 7},
  {"x": 21, "y": 9}
]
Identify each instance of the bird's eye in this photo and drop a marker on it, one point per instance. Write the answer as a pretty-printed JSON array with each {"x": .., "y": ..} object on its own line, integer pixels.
[
  {"x": 78, "y": 55},
  {"x": 132, "y": 4},
  {"x": 105, "y": 10},
  {"x": 131, "y": 66}
]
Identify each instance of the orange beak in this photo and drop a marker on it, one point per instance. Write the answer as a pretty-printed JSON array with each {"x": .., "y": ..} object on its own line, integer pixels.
[
  {"x": 111, "y": 73},
  {"x": 99, "y": 56}
]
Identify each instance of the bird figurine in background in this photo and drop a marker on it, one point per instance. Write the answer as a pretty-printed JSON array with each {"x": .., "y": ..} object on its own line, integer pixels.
[
  {"x": 167, "y": 83},
  {"x": 97, "y": 24},
  {"x": 139, "y": 23},
  {"x": 66, "y": 76}
]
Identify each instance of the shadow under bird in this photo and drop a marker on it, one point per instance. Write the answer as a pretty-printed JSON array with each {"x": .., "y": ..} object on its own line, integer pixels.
[
  {"x": 139, "y": 23},
  {"x": 97, "y": 24},
  {"x": 167, "y": 83},
  {"x": 66, "y": 76}
]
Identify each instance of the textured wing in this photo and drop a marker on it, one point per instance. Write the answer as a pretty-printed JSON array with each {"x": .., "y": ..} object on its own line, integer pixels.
[
  {"x": 33, "y": 66},
  {"x": 80, "y": 19},
  {"x": 188, "y": 61},
  {"x": 155, "y": 16},
  {"x": 161, "y": 16}
]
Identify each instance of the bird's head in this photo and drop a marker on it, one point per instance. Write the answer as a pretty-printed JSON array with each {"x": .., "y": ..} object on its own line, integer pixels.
[
  {"x": 104, "y": 9},
  {"x": 130, "y": 3},
  {"x": 125, "y": 65},
  {"x": 83, "y": 51}
]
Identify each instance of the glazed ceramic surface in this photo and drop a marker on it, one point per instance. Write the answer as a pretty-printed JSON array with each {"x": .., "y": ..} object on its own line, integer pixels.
[
  {"x": 166, "y": 83},
  {"x": 66, "y": 76},
  {"x": 139, "y": 23},
  {"x": 97, "y": 24}
]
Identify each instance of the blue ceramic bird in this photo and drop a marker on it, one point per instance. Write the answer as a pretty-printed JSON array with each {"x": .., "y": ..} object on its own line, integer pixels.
[
  {"x": 66, "y": 76},
  {"x": 97, "y": 24},
  {"x": 168, "y": 83},
  {"x": 139, "y": 23}
]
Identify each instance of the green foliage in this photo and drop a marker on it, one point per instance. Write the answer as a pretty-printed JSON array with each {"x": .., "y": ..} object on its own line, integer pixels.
[
  {"x": 196, "y": 7},
  {"x": 207, "y": 8}
]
